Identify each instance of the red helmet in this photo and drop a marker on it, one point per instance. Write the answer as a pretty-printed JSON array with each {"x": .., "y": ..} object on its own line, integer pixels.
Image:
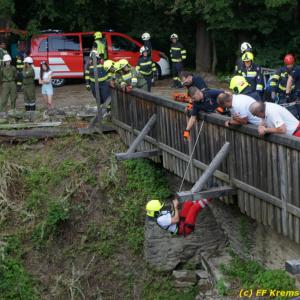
[{"x": 289, "y": 59}]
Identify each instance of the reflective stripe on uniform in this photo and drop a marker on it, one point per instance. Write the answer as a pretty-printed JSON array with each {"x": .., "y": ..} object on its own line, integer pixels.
[
  {"x": 259, "y": 87},
  {"x": 176, "y": 59}
]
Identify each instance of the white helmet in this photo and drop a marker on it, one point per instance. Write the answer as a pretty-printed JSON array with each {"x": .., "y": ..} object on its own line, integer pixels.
[
  {"x": 146, "y": 36},
  {"x": 6, "y": 57},
  {"x": 143, "y": 49},
  {"x": 28, "y": 60},
  {"x": 94, "y": 51},
  {"x": 174, "y": 36},
  {"x": 245, "y": 47}
]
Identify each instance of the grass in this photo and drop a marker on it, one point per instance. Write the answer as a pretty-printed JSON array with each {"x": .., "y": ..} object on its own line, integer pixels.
[{"x": 249, "y": 274}]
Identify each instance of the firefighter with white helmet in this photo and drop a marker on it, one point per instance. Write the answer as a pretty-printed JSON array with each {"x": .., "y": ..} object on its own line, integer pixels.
[
  {"x": 28, "y": 84},
  {"x": 146, "y": 67},
  {"x": 178, "y": 56},
  {"x": 245, "y": 47},
  {"x": 8, "y": 76},
  {"x": 146, "y": 37},
  {"x": 100, "y": 45}
]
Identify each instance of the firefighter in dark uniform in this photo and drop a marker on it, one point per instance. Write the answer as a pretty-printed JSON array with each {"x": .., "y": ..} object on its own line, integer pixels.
[
  {"x": 128, "y": 77},
  {"x": 252, "y": 73},
  {"x": 146, "y": 67},
  {"x": 239, "y": 85},
  {"x": 278, "y": 86},
  {"x": 103, "y": 82},
  {"x": 146, "y": 37},
  {"x": 245, "y": 47},
  {"x": 8, "y": 76},
  {"x": 178, "y": 56}
]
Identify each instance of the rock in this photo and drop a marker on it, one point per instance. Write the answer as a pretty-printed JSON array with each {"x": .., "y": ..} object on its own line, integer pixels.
[
  {"x": 183, "y": 284},
  {"x": 204, "y": 285},
  {"x": 185, "y": 275},
  {"x": 201, "y": 274}
]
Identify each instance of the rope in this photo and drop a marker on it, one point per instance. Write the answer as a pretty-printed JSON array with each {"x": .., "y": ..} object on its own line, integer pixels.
[{"x": 191, "y": 157}]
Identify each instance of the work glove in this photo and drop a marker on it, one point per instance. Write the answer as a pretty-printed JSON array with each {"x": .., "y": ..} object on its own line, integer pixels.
[
  {"x": 186, "y": 135},
  {"x": 88, "y": 87}
]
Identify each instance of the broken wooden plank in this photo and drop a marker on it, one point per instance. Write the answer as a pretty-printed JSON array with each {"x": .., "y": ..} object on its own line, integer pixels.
[
  {"x": 136, "y": 155},
  {"x": 29, "y": 125},
  {"x": 215, "y": 192},
  {"x": 142, "y": 134}
]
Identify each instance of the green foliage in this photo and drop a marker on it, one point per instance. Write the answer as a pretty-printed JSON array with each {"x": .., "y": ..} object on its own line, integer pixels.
[
  {"x": 15, "y": 282},
  {"x": 252, "y": 275},
  {"x": 221, "y": 287}
]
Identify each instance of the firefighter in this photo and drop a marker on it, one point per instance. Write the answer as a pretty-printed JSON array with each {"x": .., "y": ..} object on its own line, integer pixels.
[
  {"x": 239, "y": 85},
  {"x": 146, "y": 67},
  {"x": 252, "y": 73},
  {"x": 20, "y": 67},
  {"x": 245, "y": 47},
  {"x": 99, "y": 44},
  {"x": 129, "y": 78},
  {"x": 178, "y": 56},
  {"x": 102, "y": 80},
  {"x": 278, "y": 85},
  {"x": 109, "y": 67},
  {"x": 28, "y": 84},
  {"x": 8, "y": 76},
  {"x": 3, "y": 52},
  {"x": 147, "y": 42},
  {"x": 176, "y": 222}
]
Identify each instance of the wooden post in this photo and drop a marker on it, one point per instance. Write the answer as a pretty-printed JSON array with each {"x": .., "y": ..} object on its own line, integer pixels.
[
  {"x": 283, "y": 188},
  {"x": 136, "y": 155},
  {"x": 142, "y": 134},
  {"x": 212, "y": 167},
  {"x": 97, "y": 120}
]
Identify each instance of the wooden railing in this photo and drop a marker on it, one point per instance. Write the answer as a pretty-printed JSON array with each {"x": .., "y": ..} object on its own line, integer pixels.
[{"x": 265, "y": 171}]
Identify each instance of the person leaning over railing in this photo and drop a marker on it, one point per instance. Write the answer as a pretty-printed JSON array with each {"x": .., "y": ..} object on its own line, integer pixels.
[
  {"x": 275, "y": 119},
  {"x": 203, "y": 101},
  {"x": 238, "y": 105}
]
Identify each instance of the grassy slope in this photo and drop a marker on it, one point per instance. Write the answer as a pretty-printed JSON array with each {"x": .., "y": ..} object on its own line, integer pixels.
[{"x": 72, "y": 223}]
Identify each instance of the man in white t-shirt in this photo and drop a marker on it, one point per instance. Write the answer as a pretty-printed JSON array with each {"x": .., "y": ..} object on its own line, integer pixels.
[
  {"x": 181, "y": 223},
  {"x": 275, "y": 119},
  {"x": 238, "y": 106}
]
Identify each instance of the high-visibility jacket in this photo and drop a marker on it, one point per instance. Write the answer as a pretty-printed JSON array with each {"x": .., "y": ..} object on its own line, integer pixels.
[
  {"x": 132, "y": 78},
  {"x": 146, "y": 66},
  {"x": 253, "y": 75},
  {"x": 20, "y": 67},
  {"x": 279, "y": 80},
  {"x": 177, "y": 52},
  {"x": 101, "y": 49},
  {"x": 89, "y": 75}
]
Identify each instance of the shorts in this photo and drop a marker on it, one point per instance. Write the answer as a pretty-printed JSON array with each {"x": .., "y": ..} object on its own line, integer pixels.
[{"x": 47, "y": 89}]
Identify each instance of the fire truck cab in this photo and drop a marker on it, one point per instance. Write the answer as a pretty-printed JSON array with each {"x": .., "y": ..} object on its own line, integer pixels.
[{"x": 67, "y": 53}]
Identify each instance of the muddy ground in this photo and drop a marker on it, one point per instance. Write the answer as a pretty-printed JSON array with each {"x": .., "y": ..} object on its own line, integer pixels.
[{"x": 75, "y": 93}]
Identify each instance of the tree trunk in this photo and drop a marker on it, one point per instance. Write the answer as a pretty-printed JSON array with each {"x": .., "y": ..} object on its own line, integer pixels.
[
  {"x": 203, "y": 48},
  {"x": 215, "y": 57}
]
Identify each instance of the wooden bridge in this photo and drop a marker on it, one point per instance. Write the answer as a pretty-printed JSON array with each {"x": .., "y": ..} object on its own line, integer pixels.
[{"x": 264, "y": 171}]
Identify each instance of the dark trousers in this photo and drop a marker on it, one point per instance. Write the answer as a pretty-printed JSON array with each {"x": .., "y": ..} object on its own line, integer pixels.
[
  {"x": 149, "y": 82},
  {"x": 176, "y": 70},
  {"x": 104, "y": 91}
]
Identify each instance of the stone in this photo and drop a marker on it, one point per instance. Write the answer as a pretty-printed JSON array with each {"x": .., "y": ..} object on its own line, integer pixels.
[
  {"x": 293, "y": 266},
  {"x": 201, "y": 274},
  {"x": 185, "y": 275},
  {"x": 204, "y": 284},
  {"x": 183, "y": 284}
]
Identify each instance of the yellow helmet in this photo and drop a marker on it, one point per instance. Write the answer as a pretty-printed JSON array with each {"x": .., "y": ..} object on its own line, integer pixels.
[
  {"x": 117, "y": 66},
  {"x": 238, "y": 84},
  {"x": 98, "y": 35},
  {"x": 153, "y": 206},
  {"x": 248, "y": 56},
  {"x": 122, "y": 63},
  {"x": 108, "y": 64}
]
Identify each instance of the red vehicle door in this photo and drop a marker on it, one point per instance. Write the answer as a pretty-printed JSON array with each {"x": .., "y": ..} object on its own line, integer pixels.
[
  {"x": 65, "y": 55},
  {"x": 120, "y": 46}
]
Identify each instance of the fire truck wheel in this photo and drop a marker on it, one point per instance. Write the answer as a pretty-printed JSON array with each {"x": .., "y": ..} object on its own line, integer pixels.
[{"x": 58, "y": 82}]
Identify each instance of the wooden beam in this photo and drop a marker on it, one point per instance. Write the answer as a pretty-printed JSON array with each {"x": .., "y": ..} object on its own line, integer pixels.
[
  {"x": 142, "y": 134},
  {"x": 215, "y": 192},
  {"x": 29, "y": 125},
  {"x": 212, "y": 167},
  {"x": 135, "y": 155}
]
